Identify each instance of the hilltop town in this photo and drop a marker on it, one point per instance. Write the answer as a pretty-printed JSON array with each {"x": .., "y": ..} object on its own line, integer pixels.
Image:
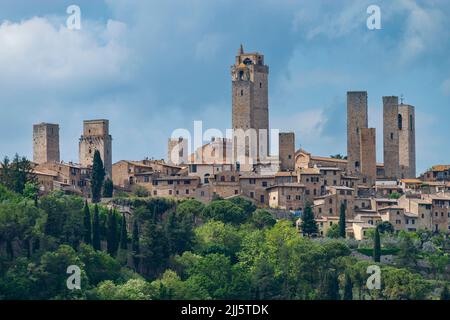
[{"x": 371, "y": 192}]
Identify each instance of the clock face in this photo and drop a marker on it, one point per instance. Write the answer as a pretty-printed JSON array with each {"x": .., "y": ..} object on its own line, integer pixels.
[{"x": 247, "y": 61}]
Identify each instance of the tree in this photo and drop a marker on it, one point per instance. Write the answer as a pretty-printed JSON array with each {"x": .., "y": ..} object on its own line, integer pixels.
[
  {"x": 394, "y": 195},
  {"x": 348, "y": 288},
  {"x": 99, "y": 265},
  {"x": 386, "y": 227},
  {"x": 309, "y": 224},
  {"x": 87, "y": 224},
  {"x": 112, "y": 237},
  {"x": 377, "y": 246},
  {"x": 98, "y": 177},
  {"x": 96, "y": 242},
  {"x": 108, "y": 188},
  {"x": 342, "y": 221},
  {"x": 123, "y": 234},
  {"x": 333, "y": 231},
  {"x": 262, "y": 218},
  {"x": 16, "y": 173},
  {"x": 226, "y": 211},
  {"x": 331, "y": 290},
  {"x": 445, "y": 294},
  {"x": 153, "y": 247},
  {"x": 135, "y": 245}
]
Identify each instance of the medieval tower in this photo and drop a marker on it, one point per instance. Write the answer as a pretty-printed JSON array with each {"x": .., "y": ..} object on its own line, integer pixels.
[
  {"x": 46, "y": 143},
  {"x": 368, "y": 155},
  {"x": 407, "y": 141},
  {"x": 356, "y": 120},
  {"x": 286, "y": 144},
  {"x": 250, "y": 102},
  {"x": 391, "y": 137},
  {"x": 96, "y": 137}
]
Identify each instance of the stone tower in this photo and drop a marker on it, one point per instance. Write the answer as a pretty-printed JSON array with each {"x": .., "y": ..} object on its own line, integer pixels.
[
  {"x": 368, "y": 155},
  {"x": 407, "y": 141},
  {"x": 391, "y": 137},
  {"x": 250, "y": 102},
  {"x": 177, "y": 152},
  {"x": 96, "y": 137},
  {"x": 356, "y": 120},
  {"x": 286, "y": 152},
  {"x": 46, "y": 143}
]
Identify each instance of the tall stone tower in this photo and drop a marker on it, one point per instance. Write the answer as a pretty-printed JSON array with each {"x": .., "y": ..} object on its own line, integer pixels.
[
  {"x": 391, "y": 148},
  {"x": 356, "y": 120},
  {"x": 46, "y": 143},
  {"x": 286, "y": 144},
  {"x": 368, "y": 155},
  {"x": 177, "y": 151},
  {"x": 407, "y": 141},
  {"x": 250, "y": 101},
  {"x": 96, "y": 137}
]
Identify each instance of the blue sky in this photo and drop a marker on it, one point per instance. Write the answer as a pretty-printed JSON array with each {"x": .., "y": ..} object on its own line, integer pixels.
[{"x": 155, "y": 66}]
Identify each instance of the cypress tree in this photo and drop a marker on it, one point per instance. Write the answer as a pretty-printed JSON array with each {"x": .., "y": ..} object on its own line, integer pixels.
[
  {"x": 331, "y": 287},
  {"x": 308, "y": 225},
  {"x": 377, "y": 246},
  {"x": 96, "y": 230},
  {"x": 135, "y": 245},
  {"x": 445, "y": 295},
  {"x": 342, "y": 221},
  {"x": 123, "y": 234},
  {"x": 108, "y": 188},
  {"x": 87, "y": 224},
  {"x": 112, "y": 234},
  {"x": 348, "y": 288},
  {"x": 98, "y": 177}
]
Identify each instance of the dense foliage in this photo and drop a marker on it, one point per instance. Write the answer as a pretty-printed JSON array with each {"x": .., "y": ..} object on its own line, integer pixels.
[{"x": 187, "y": 250}]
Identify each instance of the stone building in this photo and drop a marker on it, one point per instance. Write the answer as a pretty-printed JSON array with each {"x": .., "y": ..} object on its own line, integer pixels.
[
  {"x": 178, "y": 151},
  {"x": 407, "y": 141},
  {"x": 399, "y": 139},
  {"x": 286, "y": 144},
  {"x": 96, "y": 137},
  {"x": 250, "y": 108},
  {"x": 46, "y": 143},
  {"x": 357, "y": 119},
  {"x": 287, "y": 196},
  {"x": 368, "y": 154}
]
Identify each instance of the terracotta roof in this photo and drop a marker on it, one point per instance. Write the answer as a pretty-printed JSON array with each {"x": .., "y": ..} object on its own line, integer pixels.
[{"x": 441, "y": 167}]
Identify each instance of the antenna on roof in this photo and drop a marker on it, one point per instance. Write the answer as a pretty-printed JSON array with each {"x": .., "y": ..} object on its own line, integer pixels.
[{"x": 402, "y": 98}]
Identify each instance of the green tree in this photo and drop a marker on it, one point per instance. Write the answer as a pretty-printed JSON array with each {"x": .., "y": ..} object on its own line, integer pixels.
[
  {"x": 98, "y": 177},
  {"x": 16, "y": 173},
  {"x": 135, "y": 245},
  {"x": 123, "y": 234},
  {"x": 99, "y": 266},
  {"x": 108, "y": 188},
  {"x": 445, "y": 294},
  {"x": 309, "y": 224},
  {"x": 333, "y": 232},
  {"x": 244, "y": 204},
  {"x": 112, "y": 237},
  {"x": 87, "y": 224},
  {"x": 377, "y": 246},
  {"x": 348, "y": 288},
  {"x": 331, "y": 290},
  {"x": 386, "y": 227},
  {"x": 226, "y": 211},
  {"x": 96, "y": 241},
  {"x": 342, "y": 223},
  {"x": 263, "y": 219},
  {"x": 394, "y": 195},
  {"x": 153, "y": 247}
]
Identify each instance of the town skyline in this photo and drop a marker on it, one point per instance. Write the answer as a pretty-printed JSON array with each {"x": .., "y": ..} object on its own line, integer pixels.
[{"x": 133, "y": 85}]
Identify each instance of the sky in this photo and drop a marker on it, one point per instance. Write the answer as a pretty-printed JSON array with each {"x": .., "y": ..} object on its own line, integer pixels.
[{"x": 151, "y": 67}]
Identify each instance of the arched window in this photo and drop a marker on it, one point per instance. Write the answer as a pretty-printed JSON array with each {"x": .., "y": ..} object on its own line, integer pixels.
[
  {"x": 242, "y": 93},
  {"x": 399, "y": 120},
  {"x": 206, "y": 178}
]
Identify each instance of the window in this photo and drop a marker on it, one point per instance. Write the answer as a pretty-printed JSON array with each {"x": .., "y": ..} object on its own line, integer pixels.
[
  {"x": 236, "y": 191},
  {"x": 399, "y": 122},
  {"x": 252, "y": 194},
  {"x": 330, "y": 201},
  {"x": 155, "y": 192},
  {"x": 260, "y": 84},
  {"x": 289, "y": 156},
  {"x": 233, "y": 178},
  {"x": 202, "y": 193},
  {"x": 330, "y": 211},
  {"x": 392, "y": 136},
  {"x": 187, "y": 181},
  {"x": 170, "y": 192},
  {"x": 252, "y": 181},
  {"x": 264, "y": 183},
  {"x": 261, "y": 198},
  {"x": 242, "y": 93},
  {"x": 222, "y": 178},
  {"x": 288, "y": 197},
  {"x": 170, "y": 182}
]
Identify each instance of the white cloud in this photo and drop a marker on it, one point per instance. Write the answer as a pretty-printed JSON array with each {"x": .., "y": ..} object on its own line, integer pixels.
[{"x": 39, "y": 57}]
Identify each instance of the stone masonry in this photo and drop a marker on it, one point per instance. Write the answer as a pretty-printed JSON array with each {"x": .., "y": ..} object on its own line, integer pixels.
[{"x": 46, "y": 143}]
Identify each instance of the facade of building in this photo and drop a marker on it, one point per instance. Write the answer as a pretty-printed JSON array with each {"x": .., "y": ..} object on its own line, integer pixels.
[{"x": 46, "y": 143}]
